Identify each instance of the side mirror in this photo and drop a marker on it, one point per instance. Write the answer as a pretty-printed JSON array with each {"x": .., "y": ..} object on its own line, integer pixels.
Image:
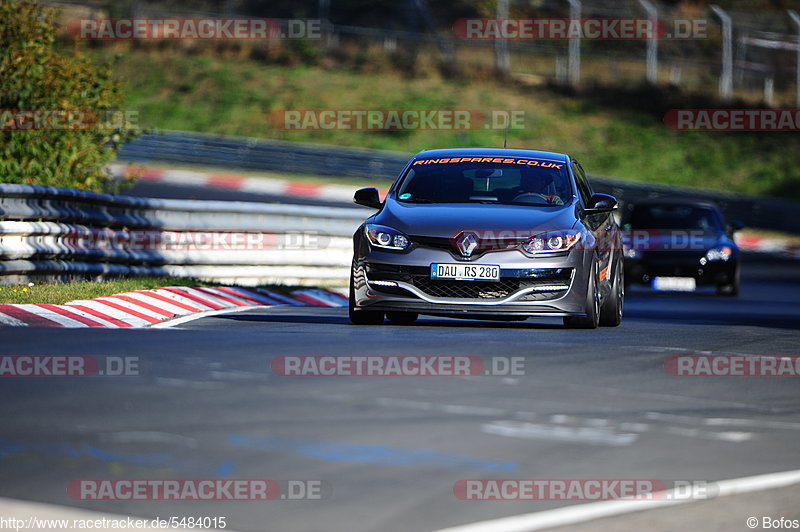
[
  {"x": 736, "y": 225},
  {"x": 368, "y": 197},
  {"x": 601, "y": 203}
]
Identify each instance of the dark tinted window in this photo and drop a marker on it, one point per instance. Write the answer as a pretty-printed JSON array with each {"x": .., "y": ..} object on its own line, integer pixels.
[
  {"x": 511, "y": 180},
  {"x": 675, "y": 217},
  {"x": 583, "y": 185}
]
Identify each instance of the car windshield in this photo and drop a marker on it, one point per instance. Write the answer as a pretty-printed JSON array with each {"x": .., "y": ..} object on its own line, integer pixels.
[
  {"x": 674, "y": 217},
  {"x": 521, "y": 181}
]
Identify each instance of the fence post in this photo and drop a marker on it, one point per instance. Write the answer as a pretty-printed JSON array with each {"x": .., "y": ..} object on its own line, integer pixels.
[
  {"x": 326, "y": 28},
  {"x": 574, "y": 46},
  {"x": 502, "y": 62},
  {"x": 726, "y": 78},
  {"x": 769, "y": 91},
  {"x": 796, "y": 19},
  {"x": 652, "y": 43},
  {"x": 445, "y": 45}
]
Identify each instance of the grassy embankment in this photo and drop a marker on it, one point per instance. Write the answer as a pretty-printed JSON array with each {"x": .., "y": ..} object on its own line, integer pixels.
[{"x": 615, "y": 132}]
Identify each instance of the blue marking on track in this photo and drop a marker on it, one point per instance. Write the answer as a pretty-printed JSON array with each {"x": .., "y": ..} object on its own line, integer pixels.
[
  {"x": 44, "y": 451},
  {"x": 369, "y": 454},
  {"x": 226, "y": 469},
  {"x": 137, "y": 459}
]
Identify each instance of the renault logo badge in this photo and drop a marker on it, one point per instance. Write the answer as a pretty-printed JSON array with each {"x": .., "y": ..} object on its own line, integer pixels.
[{"x": 467, "y": 243}]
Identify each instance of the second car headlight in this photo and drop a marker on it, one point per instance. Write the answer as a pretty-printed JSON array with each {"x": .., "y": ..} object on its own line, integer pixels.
[
  {"x": 720, "y": 253},
  {"x": 384, "y": 237},
  {"x": 551, "y": 242}
]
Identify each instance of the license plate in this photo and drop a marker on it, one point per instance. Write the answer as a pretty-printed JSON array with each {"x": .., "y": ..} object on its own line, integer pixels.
[
  {"x": 465, "y": 272},
  {"x": 675, "y": 284}
]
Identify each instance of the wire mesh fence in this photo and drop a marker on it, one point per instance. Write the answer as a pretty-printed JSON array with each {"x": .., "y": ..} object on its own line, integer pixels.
[{"x": 750, "y": 55}]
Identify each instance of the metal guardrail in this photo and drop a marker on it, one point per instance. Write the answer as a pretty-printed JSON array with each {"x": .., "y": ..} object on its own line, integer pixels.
[
  {"x": 63, "y": 234},
  {"x": 255, "y": 154},
  {"x": 258, "y": 154}
]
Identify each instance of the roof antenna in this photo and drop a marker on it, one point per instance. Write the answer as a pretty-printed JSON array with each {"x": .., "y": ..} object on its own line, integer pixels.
[{"x": 505, "y": 137}]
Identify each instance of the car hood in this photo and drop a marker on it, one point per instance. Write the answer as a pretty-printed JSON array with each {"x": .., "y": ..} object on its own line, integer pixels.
[{"x": 446, "y": 220}]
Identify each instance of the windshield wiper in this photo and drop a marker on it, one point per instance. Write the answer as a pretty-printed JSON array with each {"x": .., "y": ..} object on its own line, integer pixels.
[
  {"x": 418, "y": 200},
  {"x": 526, "y": 204}
]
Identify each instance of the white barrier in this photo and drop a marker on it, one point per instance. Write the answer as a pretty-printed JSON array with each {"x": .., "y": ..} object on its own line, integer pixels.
[{"x": 63, "y": 233}]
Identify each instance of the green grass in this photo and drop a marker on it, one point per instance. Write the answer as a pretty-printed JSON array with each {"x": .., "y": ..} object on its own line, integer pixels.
[
  {"x": 614, "y": 132},
  {"x": 59, "y": 293}
]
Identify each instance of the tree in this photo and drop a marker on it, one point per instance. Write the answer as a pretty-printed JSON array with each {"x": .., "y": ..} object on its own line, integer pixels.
[{"x": 59, "y": 119}]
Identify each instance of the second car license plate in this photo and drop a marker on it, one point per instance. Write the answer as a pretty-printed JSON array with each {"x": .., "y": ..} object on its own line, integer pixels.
[
  {"x": 676, "y": 284},
  {"x": 466, "y": 272}
]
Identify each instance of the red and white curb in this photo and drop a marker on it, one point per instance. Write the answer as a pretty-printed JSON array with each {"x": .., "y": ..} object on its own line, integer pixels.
[
  {"x": 259, "y": 185},
  {"x": 772, "y": 246},
  {"x": 151, "y": 308}
]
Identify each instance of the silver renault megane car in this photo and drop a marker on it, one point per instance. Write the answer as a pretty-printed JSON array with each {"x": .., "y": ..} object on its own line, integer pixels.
[{"x": 488, "y": 234}]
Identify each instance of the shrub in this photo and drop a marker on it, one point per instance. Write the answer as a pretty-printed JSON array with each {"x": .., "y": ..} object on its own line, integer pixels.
[{"x": 36, "y": 77}]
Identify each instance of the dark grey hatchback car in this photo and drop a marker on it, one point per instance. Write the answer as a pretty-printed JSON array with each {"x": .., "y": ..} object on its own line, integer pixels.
[{"x": 488, "y": 234}]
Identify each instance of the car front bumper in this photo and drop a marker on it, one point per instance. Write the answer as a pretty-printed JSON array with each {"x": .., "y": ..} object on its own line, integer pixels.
[
  {"x": 643, "y": 270},
  {"x": 544, "y": 286}
]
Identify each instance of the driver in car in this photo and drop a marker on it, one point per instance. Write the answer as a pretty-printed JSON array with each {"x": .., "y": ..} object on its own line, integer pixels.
[{"x": 537, "y": 185}]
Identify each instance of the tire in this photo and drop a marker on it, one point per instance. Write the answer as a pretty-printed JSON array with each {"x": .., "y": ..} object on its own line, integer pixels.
[
  {"x": 730, "y": 289},
  {"x": 402, "y": 318},
  {"x": 611, "y": 311},
  {"x": 362, "y": 317},
  {"x": 592, "y": 318}
]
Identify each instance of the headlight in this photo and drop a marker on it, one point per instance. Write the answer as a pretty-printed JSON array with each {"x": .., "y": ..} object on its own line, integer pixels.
[
  {"x": 551, "y": 242},
  {"x": 721, "y": 253},
  {"x": 386, "y": 238},
  {"x": 631, "y": 253}
]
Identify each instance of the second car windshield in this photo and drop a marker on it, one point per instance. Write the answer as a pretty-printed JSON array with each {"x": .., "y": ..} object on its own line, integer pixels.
[
  {"x": 508, "y": 181},
  {"x": 674, "y": 217}
]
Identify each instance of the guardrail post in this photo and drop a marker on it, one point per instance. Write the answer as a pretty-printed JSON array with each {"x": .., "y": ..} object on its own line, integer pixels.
[{"x": 726, "y": 77}]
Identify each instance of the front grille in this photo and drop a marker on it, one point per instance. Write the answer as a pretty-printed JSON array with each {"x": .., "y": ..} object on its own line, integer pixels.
[
  {"x": 510, "y": 282},
  {"x": 467, "y": 289},
  {"x": 434, "y": 242},
  {"x": 484, "y": 244},
  {"x": 673, "y": 258}
]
